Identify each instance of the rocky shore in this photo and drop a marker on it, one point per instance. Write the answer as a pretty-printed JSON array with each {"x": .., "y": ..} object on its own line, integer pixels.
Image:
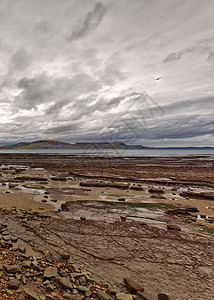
[{"x": 84, "y": 228}]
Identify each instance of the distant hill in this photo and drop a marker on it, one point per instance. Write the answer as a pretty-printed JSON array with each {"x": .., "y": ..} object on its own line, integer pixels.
[{"x": 55, "y": 144}]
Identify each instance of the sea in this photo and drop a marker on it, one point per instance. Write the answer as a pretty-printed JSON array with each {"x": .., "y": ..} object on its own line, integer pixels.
[{"x": 120, "y": 152}]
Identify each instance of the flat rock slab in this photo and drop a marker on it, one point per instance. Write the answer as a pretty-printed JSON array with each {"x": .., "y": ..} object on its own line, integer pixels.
[{"x": 50, "y": 272}]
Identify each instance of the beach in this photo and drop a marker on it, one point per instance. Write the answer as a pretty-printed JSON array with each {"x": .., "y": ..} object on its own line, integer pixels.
[{"x": 146, "y": 218}]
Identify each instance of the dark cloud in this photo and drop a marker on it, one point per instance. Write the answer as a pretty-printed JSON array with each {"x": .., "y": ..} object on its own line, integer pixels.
[{"x": 89, "y": 23}]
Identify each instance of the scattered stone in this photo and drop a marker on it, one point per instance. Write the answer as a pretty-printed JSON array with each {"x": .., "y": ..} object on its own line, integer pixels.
[
  {"x": 82, "y": 218},
  {"x": 133, "y": 286}
]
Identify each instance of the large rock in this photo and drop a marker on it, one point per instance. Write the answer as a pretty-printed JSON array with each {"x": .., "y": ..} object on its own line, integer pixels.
[{"x": 133, "y": 286}]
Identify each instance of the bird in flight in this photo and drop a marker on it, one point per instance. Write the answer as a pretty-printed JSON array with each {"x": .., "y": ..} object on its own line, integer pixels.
[{"x": 158, "y": 78}]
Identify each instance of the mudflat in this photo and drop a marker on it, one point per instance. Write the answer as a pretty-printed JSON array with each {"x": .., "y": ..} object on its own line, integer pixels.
[{"x": 150, "y": 218}]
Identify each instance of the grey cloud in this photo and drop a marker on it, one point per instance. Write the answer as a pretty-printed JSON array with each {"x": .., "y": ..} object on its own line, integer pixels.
[
  {"x": 20, "y": 60},
  {"x": 173, "y": 57},
  {"x": 34, "y": 92},
  {"x": 45, "y": 88},
  {"x": 65, "y": 129},
  {"x": 201, "y": 46},
  {"x": 89, "y": 23},
  {"x": 211, "y": 56}
]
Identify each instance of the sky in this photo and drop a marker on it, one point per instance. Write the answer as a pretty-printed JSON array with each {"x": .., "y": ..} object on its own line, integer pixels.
[{"x": 139, "y": 72}]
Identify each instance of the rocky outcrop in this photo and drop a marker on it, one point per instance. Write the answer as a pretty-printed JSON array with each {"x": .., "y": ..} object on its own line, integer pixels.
[{"x": 105, "y": 184}]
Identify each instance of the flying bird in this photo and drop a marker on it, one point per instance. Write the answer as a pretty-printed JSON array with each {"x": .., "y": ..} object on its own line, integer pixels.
[{"x": 158, "y": 78}]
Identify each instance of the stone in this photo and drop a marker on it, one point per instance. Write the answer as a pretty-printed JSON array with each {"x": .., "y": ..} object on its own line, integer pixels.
[
  {"x": 65, "y": 282},
  {"x": 12, "y": 269},
  {"x": 31, "y": 295},
  {"x": 102, "y": 295},
  {"x": 113, "y": 290},
  {"x": 133, "y": 286},
  {"x": 65, "y": 256},
  {"x": 123, "y": 296},
  {"x": 173, "y": 227},
  {"x": 1, "y": 265},
  {"x": 13, "y": 284},
  {"x": 146, "y": 296},
  {"x": 22, "y": 248},
  {"x": 75, "y": 297},
  {"x": 50, "y": 272},
  {"x": 13, "y": 238},
  {"x": 82, "y": 289},
  {"x": 26, "y": 264},
  {"x": 50, "y": 287},
  {"x": 164, "y": 297}
]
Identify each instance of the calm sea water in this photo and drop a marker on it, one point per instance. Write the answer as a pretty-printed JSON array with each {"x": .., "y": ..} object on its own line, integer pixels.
[{"x": 119, "y": 152}]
